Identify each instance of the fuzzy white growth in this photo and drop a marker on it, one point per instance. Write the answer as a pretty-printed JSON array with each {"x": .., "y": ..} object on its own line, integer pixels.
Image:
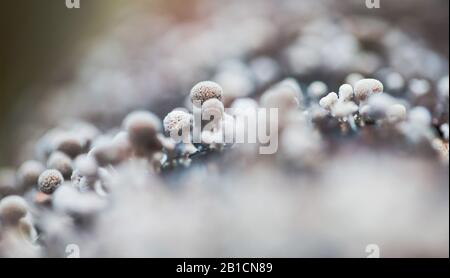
[
  {"x": 12, "y": 209},
  {"x": 205, "y": 90},
  {"x": 67, "y": 142},
  {"x": 7, "y": 182},
  {"x": 317, "y": 89},
  {"x": 138, "y": 123},
  {"x": 122, "y": 142},
  {"x": 107, "y": 150},
  {"x": 26, "y": 227},
  {"x": 344, "y": 108},
  {"x": 28, "y": 173},
  {"x": 61, "y": 162},
  {"x": 67, "y": 199},
  {"x": 264, "y": 70},
  {"x": 213, "y": 106},
  {"x": 346, "y": 92},
  {"x": 177, "y": 120},
  {"x": 394, "y": 81},
  {"x": 301, "y": 145},
  {"x": 235, "y": 78},
  {"x": 396, "y": 113},
  {"x": 352, "y": 78},
  {"x": 328, "y": 101},
  {"x": 86, "y": 131},
  {"x": 242, "y": 106},
  {"x": 285, "y": 95},
  {"x": 316, "y": 112},
  {"x": 364, "y": 110},
  {"x": 49, "y": 181},
  {"x": 381, "y": 102},
  {"x": 86, "y": 165},
  {"x": 366, "y": 87},
  {"x": 419, "y": 87},
  {"x": 418, "y": 125},
  {"x": 292, "y": 84},
  {"x": 142, "y": 128},
  {"x": 420, "y": 116}
]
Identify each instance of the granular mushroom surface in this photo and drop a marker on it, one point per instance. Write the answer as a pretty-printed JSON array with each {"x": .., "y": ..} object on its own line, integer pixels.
[{"x": 298, "y": 120}]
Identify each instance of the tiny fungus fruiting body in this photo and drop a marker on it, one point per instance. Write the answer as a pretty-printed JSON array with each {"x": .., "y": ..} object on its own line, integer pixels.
[
  {"x": 69, "y": 143},
  {"x": 61, "y": 162},
  {"x": 49, "y": 181},
  {"x": 142, "y": 128},
  {"x": 205, "y": 90},
  {"x": 28, "y": 173},
  {"x": 328, "y": 101},
  {"x": 12, "y": 209},
  {"x": 366, "y": 87},
  {"x": 177, "y": 121},
  {"x": 8, "y": 182},
  {"x": 344, "y": 108},
  {"x": 346, "y": 92},
  {"x": 213, "y": 107},
  {"x": 317, "y": 89},
  {"x": 396, "y": 113},
  {"x": 420, "y": 116},
  {"x": 86, "y": 165},
  {"x": 285, "y": 95},
  {"x": 419, "y": 87}
]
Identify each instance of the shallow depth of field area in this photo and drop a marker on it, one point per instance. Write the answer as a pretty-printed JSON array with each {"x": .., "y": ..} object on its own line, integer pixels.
[{"x": 89, "y": 162}]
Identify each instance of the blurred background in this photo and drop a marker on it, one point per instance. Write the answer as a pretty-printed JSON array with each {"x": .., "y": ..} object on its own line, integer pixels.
[
  {"x": 43, "y": 42},
  {"x": 319, "y": 196}
]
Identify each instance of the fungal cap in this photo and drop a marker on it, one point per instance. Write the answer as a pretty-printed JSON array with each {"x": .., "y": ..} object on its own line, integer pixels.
[
  {"x": 420, "y": 116},
  {"x": 396, "y": 113},
  {"x": 142, "y": 128},
  {"x": 12, "y": 209},
  {"x": 317, "y": 89},
  {"x": 205, "y": 90},
  {"x": 68, "y": 142},
  {"x": 366, "y": 87},
  {"x": 364, "y": 110},
  {"x": 285, "y": 95},
  {"x": 328, "y": 101},
  {"x": 243, "y": 106},
  {"x": 343, "y": 109},
  {"x": 346, "y": 92},
  {"x": 213, "y": 104},
  {"x": 352, "y": 78},
  {"x": 7, "y": 182},
  {"x": 28, "y": 173},
  {"x": 419, "y": 87},
  {"x": 177, "y": 120},
  {"x": 60, "y": 161},
  {"x": 50, "y": 180},
  {"x": 141, "y": 121},
  {"x": 86, "y": 165}
]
